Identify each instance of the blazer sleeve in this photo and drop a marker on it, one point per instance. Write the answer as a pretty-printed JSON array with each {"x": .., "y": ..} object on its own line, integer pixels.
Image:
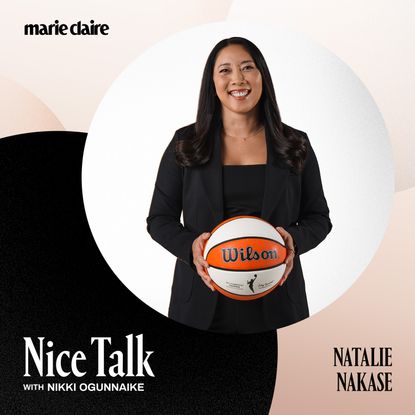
[
  {"x": 163, "y": 222},
  {"x": 313, "y": 223}
]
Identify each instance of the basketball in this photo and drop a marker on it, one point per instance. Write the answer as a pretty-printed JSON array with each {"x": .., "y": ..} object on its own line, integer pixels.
[{"x": 246, "y": 257}]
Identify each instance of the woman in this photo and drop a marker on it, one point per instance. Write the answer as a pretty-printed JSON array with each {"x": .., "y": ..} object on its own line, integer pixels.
[{"x": 237, "y": 159}]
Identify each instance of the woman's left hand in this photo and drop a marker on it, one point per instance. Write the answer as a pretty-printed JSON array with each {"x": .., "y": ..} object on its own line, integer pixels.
[{"x": 289, "y": 260}]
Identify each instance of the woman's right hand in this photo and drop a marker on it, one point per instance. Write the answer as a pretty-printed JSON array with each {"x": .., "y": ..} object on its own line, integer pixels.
[{"x": 200, "y": 262}]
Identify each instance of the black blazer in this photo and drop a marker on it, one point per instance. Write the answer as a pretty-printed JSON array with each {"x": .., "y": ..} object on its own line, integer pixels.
[{"x": 294, "y": 201}]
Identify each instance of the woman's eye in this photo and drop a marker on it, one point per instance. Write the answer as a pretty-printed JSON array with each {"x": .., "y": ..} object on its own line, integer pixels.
[
  {"x": 248, "y": 68},
  {"x": 223, "y": 70}
]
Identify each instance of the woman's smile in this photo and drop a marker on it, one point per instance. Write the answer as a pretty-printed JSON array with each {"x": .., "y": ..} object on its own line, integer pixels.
[{"x": 240, "y": 94}]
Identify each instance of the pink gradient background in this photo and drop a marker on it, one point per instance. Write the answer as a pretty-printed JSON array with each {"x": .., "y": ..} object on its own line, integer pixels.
[
  {"x": 58, "y": 82},
  {"x": 377, "y": 311}
]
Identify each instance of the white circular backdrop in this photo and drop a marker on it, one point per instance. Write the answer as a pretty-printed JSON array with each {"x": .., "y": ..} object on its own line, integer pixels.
[{"x": 158, "y": 93}]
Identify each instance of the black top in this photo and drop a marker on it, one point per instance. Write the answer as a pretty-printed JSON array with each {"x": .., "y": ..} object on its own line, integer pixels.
[{"x": 243, "y": 190}]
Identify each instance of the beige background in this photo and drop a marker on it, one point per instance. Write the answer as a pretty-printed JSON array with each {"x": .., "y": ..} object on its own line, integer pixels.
[
  {"x": 377, "y": 311},
  {"x": 58, "y": 82}
]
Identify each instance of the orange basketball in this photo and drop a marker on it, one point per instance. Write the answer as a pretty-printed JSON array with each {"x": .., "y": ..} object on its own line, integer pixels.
[{"x": 246, "y": 257}]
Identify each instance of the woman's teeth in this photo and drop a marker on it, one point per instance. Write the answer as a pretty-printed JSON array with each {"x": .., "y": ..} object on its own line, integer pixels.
[{"x": 239, "y": 93}]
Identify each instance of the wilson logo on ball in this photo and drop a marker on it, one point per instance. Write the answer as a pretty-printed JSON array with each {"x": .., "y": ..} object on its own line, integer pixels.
[{"x": 246, "y": 254}]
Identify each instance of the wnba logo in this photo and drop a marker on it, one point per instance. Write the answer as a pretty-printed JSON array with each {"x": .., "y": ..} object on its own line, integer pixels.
[{"x": 247, "y": 254}]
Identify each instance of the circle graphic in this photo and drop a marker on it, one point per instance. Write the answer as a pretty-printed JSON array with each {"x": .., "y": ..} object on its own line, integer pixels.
[{"x": 158, "y": 93}]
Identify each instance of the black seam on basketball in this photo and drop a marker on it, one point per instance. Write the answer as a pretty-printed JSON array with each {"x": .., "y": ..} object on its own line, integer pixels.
[
  {"x": 245, "y": 237},
  {"x": 246, "y": 270}
]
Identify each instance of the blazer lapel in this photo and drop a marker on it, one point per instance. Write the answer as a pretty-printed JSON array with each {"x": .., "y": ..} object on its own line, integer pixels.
[
  {"x": 212, "y": 179},
  {"x": 276, "y": 176}
]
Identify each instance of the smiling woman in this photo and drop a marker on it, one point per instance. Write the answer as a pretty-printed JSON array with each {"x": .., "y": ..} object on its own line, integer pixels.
[
  {"x": 238, "y": 158},
  {"x": 238, "y": 85},
  {"x": 238, "y": 82}
]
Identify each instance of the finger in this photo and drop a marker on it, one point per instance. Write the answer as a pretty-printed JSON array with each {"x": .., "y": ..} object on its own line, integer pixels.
[
  {"x": 284, "y": 277},
  {"x": 202, "y": 240},
  {"x": 289, "y": 257},
  {"x": 202, "y": 271},
  {"x": 290, "y": 251},
  {"x": 208, "y": 282},
  {"x": 281, "y": 230},
  {"x": 209, "y": 286},
  {"x": 205, "y": 236},
  {"x": 288, "y": 269},
  {"x": 202, "y": 261},
  {"x": 205, "y": 276},
  {"x": 288, "y": 239},
  {"x": 289, "y": 264},
  {"x": 202, "y": 236},
  {"x": 285, "y": 235}
]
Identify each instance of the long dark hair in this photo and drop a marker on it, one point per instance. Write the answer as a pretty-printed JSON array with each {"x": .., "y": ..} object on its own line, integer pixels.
[{"x": 289, "y": 146}]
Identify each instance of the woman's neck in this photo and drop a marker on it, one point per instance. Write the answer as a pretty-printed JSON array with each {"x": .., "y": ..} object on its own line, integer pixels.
[{"x": 240, "y": 125}]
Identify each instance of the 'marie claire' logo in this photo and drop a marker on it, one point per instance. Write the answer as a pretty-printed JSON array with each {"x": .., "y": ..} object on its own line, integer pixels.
[{"x": 247, "y": 254}]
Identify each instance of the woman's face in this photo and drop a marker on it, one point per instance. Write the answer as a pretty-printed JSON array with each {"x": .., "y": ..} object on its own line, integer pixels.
[{"x": 237, "y": 80}]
